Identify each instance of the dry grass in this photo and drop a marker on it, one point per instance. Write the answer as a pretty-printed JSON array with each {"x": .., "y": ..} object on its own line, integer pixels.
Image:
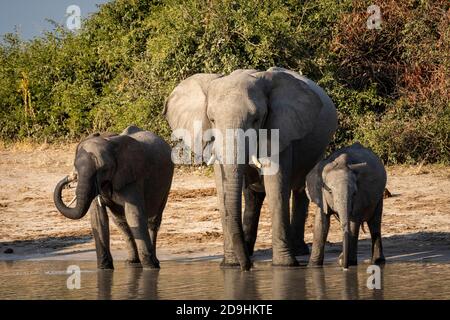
[
  {"x": 31, "y": 145},
  {"x": 180, "y": 194}
]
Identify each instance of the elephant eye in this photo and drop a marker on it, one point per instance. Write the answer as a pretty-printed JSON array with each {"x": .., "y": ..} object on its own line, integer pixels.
[
  {"x": 209, "y": 139},
  {"x": 326, "y": 188}
]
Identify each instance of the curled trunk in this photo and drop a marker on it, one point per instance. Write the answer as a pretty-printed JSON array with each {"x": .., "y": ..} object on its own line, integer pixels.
[{"x": 84, "y": 194}]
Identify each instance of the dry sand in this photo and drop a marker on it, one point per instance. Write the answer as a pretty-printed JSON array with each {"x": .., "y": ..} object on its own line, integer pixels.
[{"x": 416, "y": 225}]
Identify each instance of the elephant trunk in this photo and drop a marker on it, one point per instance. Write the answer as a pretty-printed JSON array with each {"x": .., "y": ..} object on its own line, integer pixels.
[
  {"x": 84, "y": 195},
  {"x": 345, "y": 251},
  {"x": 344, "y": 214},
  {"x": 232, "y": 198}
]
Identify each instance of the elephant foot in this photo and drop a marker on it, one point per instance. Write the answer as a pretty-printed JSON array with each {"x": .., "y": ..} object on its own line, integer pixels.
[
  {"x": 246, "y": 266},
  {"x": 351, "y": 262},
  {"x": 315, "y": 263},
  {"x": 301, "y": 249},
  {"x": 378, "y": 260},
  {"x": 133, "y": 262},
  {"x": 229, "y": 265},
  {"x": 107, "y": 265},
  {"x": 105, "y": 262},
  {"x": 150, "y": 266},
  {"x": 285, "y": 261},
  {"x": 150, "y": 262},
  {"x": 232, "y": 263}
]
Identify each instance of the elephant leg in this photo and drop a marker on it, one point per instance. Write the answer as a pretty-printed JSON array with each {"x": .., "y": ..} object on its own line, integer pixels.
[
  {"x": 118, "y": 215},
  {"x": 153, "y": 236},
  {"x": 300, "y": 203},
  {"x": 278, "y": 193},
  {"x": 229, "y": 258},
  {"x": 154, "y": 222},
  {"x": 375, "y": 234},
  {"x": 253, "y": 203},
  {"x": 138, "y": 222},
  {"x": 321, "y": 227},
  {"x": 100, "y": 229},
  {"x": 153, "y": 227}
]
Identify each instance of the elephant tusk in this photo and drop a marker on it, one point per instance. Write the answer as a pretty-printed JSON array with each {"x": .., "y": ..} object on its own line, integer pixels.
[
  {"x": 256, "y": 162},
  {"x": 99, "y": 201},
  {"x": 212, "y": 160},
  {"x": 72, "y": 177},
  {"x": 72, "y": 201}
]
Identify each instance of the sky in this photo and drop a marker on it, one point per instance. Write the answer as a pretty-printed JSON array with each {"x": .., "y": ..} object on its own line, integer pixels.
[{"x": 29, "y": 15}]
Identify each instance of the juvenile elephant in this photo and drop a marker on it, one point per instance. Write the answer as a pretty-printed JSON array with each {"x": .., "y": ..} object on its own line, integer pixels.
[
  {"x": 279, "y": 99},
  {"x": 130, "y": 174},
  {"x": 349, "y": 183}
]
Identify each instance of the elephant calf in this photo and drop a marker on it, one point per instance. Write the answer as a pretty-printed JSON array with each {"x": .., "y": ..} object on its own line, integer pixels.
[
  {"x": 130, "y": 174},
  {"x": 349, "y": 183}
]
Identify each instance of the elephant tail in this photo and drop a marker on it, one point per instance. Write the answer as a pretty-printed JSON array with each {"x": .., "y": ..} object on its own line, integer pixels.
[
  {"x": 337, "y": 217},
  {"x": 362, "y": 227}
]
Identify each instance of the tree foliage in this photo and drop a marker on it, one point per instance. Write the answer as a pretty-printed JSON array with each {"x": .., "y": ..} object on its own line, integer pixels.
[{"x": 391, "y": 86}]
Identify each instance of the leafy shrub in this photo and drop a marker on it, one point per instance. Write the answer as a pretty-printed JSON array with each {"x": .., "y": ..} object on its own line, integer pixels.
[{"x": 390, "y": 86}]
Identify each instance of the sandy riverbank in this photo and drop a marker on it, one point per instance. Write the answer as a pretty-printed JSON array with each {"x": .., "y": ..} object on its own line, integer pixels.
[{"x": 416, "y": 224}]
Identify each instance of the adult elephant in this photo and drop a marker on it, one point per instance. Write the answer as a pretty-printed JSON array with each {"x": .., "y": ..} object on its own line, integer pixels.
[
  {"x": 131, "y": 174},
  {"x": 248, "y": 99}
]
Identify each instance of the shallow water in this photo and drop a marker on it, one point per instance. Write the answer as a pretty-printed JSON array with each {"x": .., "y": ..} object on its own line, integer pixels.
[{"x": 205, "y": 280}]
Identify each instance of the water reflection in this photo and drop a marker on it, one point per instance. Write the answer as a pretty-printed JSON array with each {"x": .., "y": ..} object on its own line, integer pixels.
[
  {"x": 104, "y": 284},
  {"x": 140, "y": 284},
  {"x": 239, "y": 285},
  {"x": 143, "y": 284},
  {"x": 351, "y": 284},
  {"x": 205, "y": 280},
  {"x": 288, "y": 283},
  {"x": 318, "y": 283}
]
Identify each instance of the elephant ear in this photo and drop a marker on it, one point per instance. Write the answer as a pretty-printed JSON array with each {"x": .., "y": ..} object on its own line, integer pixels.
[
  {"x": 331, "y": 165},
  {"x": 130, "y": 161},
  {"x": 314, "y": 183},
  {"x": 316, "y": 187},
  {"x": 100, "y": 149},
  {"x": 293, "y": 106},
  {"x": 119, "y": 159},
  {"x": 323, "y": 202},
  {"x": 358, "y": 167},
  {"x": 186, "y": 106}
]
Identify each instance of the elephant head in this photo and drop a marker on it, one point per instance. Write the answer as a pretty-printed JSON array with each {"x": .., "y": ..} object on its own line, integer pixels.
[
  {"x": 245, "y": 99},
  {"x": 102, "y": 165},
  {"x": 340, "y": 185}
]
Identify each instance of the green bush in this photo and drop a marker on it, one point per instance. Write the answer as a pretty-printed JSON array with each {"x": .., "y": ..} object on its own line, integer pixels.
[{"x": 390, "y": 86}]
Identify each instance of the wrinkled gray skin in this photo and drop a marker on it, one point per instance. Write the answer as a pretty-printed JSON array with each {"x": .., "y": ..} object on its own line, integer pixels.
[
  {"x": 131, "y": 173},
  {"x": 275, "y": 99},
  {"x": 349, "y": 183}
]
